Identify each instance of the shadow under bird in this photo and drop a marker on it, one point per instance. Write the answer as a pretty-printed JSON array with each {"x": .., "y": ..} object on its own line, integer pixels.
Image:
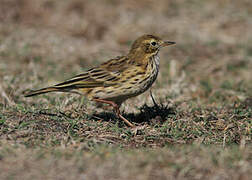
[{"x": 118, "y": 79}]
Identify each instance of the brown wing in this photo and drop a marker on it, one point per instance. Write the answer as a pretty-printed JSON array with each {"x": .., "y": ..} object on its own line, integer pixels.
[
  {"x": 105, "y": 75},
  {"x": 119, "y": 64}
]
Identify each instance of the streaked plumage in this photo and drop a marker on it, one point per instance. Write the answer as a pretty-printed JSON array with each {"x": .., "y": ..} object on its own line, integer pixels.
[{"x": 117, "y": 79}]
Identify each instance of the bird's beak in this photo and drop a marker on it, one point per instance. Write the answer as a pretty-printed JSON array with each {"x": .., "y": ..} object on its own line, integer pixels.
[{"x": 167, "y": 43}]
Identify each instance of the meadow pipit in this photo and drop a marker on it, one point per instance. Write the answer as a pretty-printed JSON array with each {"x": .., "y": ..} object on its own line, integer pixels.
[{"x": 117, "y": 79}]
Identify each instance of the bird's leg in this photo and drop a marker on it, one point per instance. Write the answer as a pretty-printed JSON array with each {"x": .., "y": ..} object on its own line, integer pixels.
[
  {"x": 154, "y": 102},
  {"x": 116, "y": 109}
]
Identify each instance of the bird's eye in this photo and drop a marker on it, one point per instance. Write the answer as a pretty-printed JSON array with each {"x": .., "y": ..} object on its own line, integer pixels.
[{"x": 153, "y": 43}]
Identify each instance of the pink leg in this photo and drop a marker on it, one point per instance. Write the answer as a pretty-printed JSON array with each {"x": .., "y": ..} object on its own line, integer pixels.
[{"x": 116, "y": 108}]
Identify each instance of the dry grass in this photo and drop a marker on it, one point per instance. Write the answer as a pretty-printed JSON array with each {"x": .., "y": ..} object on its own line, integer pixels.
[{"x": 200, "y": 127}]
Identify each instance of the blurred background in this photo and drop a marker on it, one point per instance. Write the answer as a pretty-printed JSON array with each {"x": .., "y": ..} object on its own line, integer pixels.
[{"x": 46, "y": 41}]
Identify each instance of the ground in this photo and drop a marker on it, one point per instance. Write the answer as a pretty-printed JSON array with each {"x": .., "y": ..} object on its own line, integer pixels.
[{"x": 199, "y": 128}]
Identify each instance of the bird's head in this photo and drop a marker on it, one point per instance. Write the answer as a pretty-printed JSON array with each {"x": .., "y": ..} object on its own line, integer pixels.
[{"x": 148, "y": 45}]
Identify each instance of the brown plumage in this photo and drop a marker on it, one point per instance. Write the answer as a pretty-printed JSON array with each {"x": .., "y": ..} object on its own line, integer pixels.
[{"x": 117, "y": 79}]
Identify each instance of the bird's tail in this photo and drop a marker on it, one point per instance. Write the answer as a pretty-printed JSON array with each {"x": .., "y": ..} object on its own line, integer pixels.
[
  {"x": 75, "y": 83},
  {"x": 41, "y": 91}
]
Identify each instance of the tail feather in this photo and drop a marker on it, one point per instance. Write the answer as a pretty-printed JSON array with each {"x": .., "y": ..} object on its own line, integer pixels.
[
  {"x": 41, "y": 91},
  {"x": 69, "y": 85}
]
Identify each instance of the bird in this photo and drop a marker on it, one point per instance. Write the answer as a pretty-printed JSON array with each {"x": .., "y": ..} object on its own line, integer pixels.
[{"x": 119, "y": 78}]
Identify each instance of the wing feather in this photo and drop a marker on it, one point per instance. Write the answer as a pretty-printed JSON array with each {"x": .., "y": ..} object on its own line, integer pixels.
[
  {"x": 105, "y": 75},
  {"x": 90, "y": 79}
]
